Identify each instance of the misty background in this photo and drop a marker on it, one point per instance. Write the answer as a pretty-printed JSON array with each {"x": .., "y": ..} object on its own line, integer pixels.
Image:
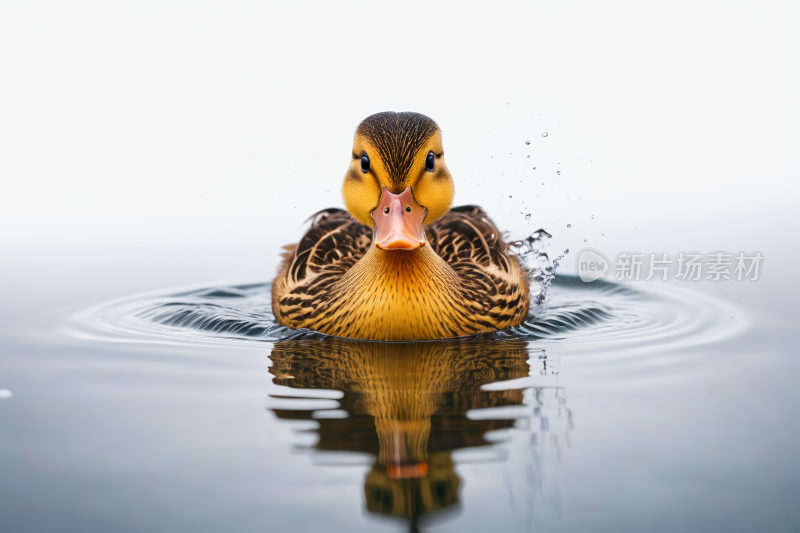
[{"x": 160, "y": 143}]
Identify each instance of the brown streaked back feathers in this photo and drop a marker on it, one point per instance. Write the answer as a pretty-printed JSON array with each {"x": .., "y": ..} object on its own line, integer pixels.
[{"x": 330, "y": 247}]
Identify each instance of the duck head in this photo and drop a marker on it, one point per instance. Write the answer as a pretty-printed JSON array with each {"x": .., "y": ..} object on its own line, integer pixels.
[{"x": 397, "y": 180}]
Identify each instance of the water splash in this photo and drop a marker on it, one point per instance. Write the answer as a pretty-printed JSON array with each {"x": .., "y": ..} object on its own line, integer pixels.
[{"x": 535, "y": 253}]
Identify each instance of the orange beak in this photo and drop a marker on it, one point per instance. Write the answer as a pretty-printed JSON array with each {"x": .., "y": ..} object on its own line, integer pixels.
[{"x": 398, "y": 221}]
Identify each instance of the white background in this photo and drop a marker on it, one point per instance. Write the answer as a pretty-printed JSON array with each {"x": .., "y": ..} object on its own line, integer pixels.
[{"x": 195, "y": 138}]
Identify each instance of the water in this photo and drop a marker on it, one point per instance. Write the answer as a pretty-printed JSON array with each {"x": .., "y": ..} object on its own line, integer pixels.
[
  {"x": 651, "y": 406},
  {"x": 575, "y": 312}
]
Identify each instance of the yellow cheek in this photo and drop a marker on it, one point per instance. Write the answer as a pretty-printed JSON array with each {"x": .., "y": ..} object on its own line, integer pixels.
[
  {"x": 436, "y": 195},
  {"x": 361, "y": 195}
]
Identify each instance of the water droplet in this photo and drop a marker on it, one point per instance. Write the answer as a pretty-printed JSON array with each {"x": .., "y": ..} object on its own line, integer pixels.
[
  {"x": 529, "y": 157},
  {"x": 558, "y": 172},
  {"x": 602, "y": 234},
  {"x": 566, "y": 251},
  {"x": 544, "y": 134},
  {"x": 534, "y": 168},
  {"x": 569, "y": 225},
  {"x": 584, "y": 240},
  {"x": 528, "y": 216},
  {"x": 510, "y": 196},
  {"x": 527, "y": 142},
  {"x": 592, "y": 217}
]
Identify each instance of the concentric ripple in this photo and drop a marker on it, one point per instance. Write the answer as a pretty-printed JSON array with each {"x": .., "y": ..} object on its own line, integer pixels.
[{"x": 599, "y": 312}]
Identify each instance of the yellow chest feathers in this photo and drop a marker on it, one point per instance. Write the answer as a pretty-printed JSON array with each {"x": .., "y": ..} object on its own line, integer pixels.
[{"x": 408, "y": 295}]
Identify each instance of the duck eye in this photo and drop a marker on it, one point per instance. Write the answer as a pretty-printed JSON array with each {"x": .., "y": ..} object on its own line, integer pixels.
[
  {"x": 386, "y": 210},
  {"x": 364, "y": 163},
  {"x": 429, "y": 161},
  {"x": 408, "y": 209}
]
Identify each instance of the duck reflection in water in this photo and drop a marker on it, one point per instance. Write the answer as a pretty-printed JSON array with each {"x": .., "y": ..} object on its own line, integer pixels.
[{"x": 407, "y": 405}]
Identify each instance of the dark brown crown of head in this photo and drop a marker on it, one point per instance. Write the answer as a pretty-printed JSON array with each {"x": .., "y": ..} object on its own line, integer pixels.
[{"x": 397, "y": 137}]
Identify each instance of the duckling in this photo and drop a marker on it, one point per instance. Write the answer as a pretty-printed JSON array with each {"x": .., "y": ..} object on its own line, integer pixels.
[{"x": 399, "y": 264}]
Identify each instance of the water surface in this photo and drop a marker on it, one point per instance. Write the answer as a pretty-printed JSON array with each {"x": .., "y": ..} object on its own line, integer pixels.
[{"x": 614, "y": 408}]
